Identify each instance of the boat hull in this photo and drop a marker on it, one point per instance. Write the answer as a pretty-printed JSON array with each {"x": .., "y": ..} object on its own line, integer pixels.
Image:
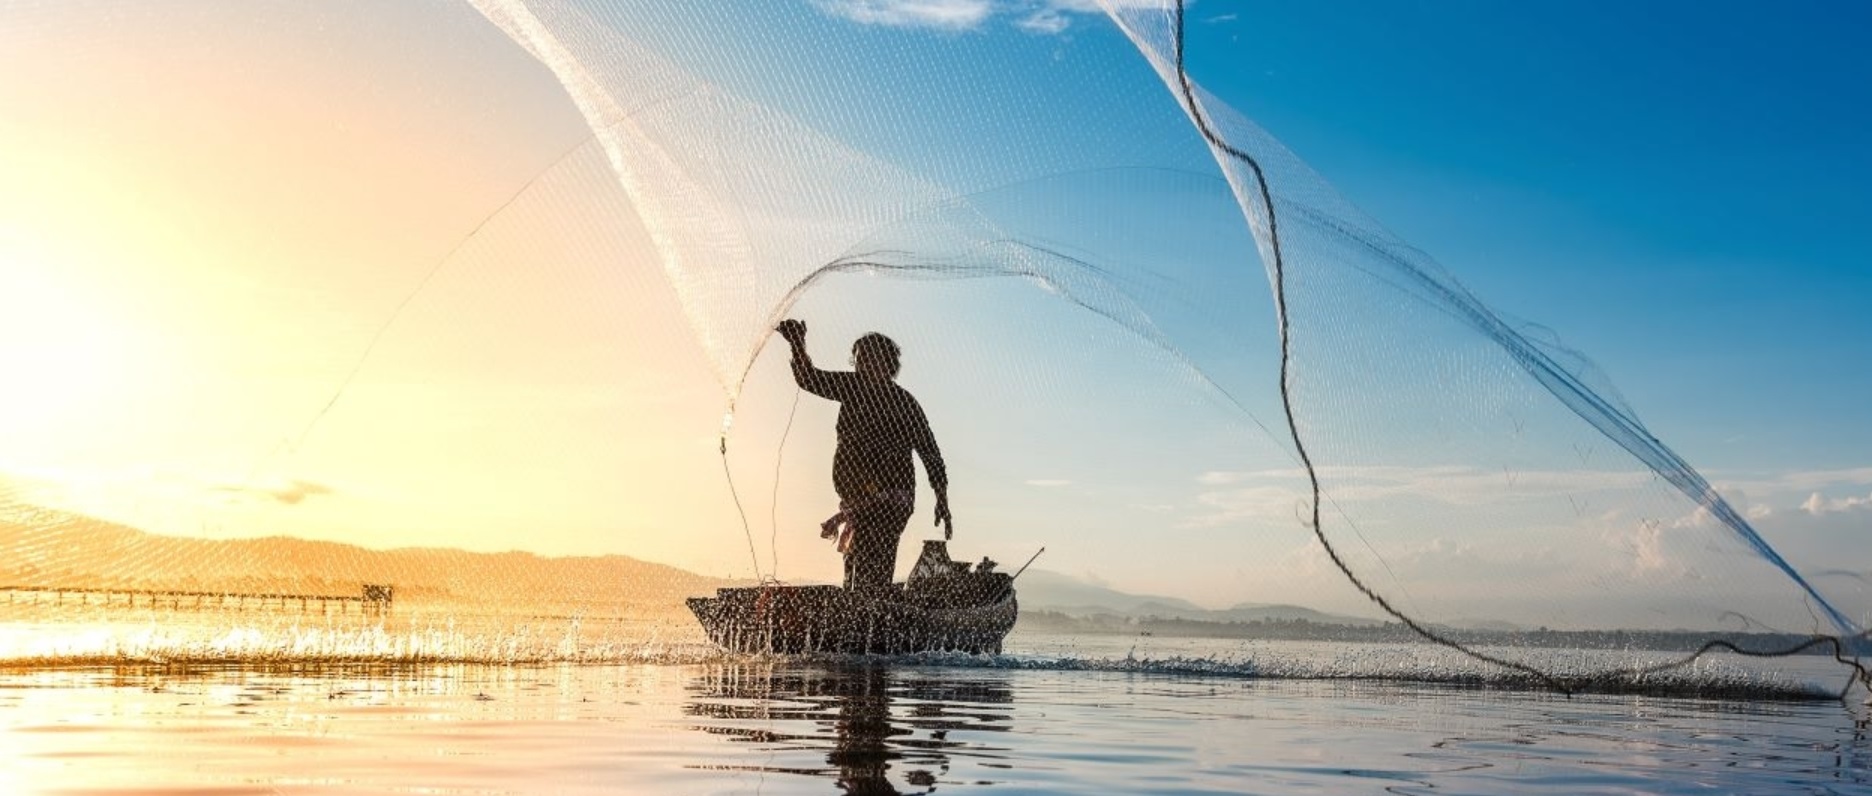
[{"x": 792, "y": 620}]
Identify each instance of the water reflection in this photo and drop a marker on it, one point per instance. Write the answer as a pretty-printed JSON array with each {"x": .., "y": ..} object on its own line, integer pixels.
[{"x": 884, "y": 730}]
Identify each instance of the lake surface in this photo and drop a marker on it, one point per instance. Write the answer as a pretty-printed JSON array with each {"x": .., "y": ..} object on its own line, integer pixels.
[{"x": 1032, "y": 722}]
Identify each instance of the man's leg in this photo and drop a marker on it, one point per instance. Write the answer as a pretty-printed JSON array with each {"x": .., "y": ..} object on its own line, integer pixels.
[
  {"x": 873, "y": 557},
  {"x": 855, "y": 564}
]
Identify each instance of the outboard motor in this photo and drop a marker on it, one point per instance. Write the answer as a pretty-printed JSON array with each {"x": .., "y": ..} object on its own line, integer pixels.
[{"x": 937, "y": 581}]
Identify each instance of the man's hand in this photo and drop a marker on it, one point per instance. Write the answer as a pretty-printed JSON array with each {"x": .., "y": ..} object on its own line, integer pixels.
[
  {"x": 794, "y": 330},
  {"x": 943, "y": 518}
]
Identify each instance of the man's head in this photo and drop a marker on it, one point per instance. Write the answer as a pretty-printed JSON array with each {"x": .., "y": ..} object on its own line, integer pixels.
[{"x": 876, "y": 355}]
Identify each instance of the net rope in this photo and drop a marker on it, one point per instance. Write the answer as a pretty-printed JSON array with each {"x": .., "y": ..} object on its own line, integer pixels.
[{"x": 1683, "y": 476}]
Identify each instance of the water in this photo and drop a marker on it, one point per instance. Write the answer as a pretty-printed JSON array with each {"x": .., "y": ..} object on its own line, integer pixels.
[{"x": 1101, "y": 719}]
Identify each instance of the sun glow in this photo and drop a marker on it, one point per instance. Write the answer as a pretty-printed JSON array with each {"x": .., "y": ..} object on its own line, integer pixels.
[{"x": 64, "y": 352}]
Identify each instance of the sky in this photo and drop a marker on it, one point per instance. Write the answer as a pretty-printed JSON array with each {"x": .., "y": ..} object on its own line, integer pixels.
[
  {"x": 1672, "y": 187},
  {"x": 377, "y": 275}
]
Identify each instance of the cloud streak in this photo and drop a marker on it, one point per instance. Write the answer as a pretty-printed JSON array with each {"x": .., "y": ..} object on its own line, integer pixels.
[
  {"x": 1039, "y": 17},
  {"x": 290, "y": 493},
  {"x": 1455, "y": 485},
  {"x": 1044, "y": 22},
  {"x": 950, "y": 15}
]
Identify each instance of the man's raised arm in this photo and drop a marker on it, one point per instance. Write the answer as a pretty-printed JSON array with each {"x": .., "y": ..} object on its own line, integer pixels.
[{"x": 824, "y": 384}]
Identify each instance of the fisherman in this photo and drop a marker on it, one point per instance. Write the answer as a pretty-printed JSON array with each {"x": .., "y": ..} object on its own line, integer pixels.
[{"x": 879, "y": 424}]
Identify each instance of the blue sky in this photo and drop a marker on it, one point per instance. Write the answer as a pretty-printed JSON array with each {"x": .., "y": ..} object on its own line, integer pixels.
[{"x": 1677, "y": 188}]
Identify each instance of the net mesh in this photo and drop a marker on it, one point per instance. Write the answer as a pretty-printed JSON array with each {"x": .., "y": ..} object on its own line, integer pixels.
[{"x": 1139, "y": 332}]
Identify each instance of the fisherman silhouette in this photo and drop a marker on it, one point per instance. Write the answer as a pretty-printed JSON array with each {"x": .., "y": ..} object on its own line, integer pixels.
[{"x": 879, "y": 424}]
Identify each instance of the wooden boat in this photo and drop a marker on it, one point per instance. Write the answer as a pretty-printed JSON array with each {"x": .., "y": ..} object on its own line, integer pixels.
[{"x": 943, "y": 606}]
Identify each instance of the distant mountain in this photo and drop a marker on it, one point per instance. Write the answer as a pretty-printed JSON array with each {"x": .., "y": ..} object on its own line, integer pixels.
[
  {"x": 46, "y": 547},
  {"x": 1052, "y": 591},
  {"x": 1041, "y": 590},
  {"x": 43, "y": 547},
  {"x": 1251, "y": 612},
  {"x": 1490, "y": 625}
]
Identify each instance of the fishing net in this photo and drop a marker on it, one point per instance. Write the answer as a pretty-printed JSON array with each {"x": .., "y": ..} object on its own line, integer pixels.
[{"x": 505, "y": 276}]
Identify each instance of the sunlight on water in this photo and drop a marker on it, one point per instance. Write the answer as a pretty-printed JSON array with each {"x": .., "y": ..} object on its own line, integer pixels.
[
  {"x": 246, "y": 638},
  {"x": 124, "y": 637},
  {"x": 790, "y": 726}
]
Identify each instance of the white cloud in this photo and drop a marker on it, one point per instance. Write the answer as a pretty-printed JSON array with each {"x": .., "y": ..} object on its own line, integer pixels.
[
  {"x": 953, "y": 15},
  {"x": 1099, "y": 6},
  {"x": 1787, "y": 495},
  {"x": 1459, "y": 485},
  {"x": 1647, "y": 543},
  {"x": 1048, "y": 482},
  {"x": 1280, "y": 504},
  {"x": 1055, "y": 16},
  {"x": 1831, "y": 537},
  {"x": 1043, "y": 17},
  {"x": 1309, "y": 560},
  {"x": 1800, "y": 481},
  {"x": 1817, "y": 504},
  {"x": 1612, "y": 541},
  {"x": 1698, "y": 517},
  {"x": 1814, "y": 492},
  {"x": 1701, "y": 517},
  {"x": 1045, "y": 21},
  {"x": 1222, "y": 478}
]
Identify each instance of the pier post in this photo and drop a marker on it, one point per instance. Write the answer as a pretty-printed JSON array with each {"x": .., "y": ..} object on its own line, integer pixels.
[{"x": 376, "y": 598}]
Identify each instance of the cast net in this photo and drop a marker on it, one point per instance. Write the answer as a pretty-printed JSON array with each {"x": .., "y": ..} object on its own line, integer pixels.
[{"x": 504, "y": 276}]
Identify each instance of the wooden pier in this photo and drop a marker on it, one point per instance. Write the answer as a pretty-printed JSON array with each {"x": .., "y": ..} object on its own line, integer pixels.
[{"x": 372, "y": 599}]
